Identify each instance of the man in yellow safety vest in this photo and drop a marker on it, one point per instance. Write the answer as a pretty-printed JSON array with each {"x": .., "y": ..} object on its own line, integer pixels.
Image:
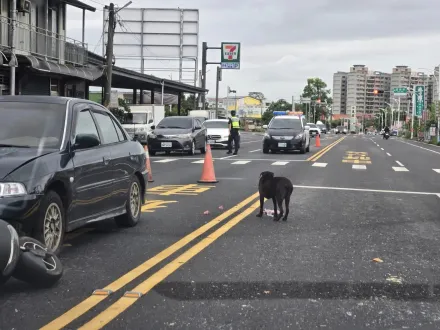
[{"x": 234, "y": 134}]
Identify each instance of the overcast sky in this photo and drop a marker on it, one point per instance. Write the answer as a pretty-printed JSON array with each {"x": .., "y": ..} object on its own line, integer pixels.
[{"x": 284, "y": 42}]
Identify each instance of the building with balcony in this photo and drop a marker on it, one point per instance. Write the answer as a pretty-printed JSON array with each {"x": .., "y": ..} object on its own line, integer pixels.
[{"x": 47, "y": 62}]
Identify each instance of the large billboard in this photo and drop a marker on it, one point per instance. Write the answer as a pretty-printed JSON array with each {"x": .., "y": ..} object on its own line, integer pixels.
[{"x": 158, "y": 41}]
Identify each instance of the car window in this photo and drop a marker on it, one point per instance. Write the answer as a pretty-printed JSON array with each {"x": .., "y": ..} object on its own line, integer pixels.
[
  {"x": 85, "y": 124},
  {"x": 108, "y": 130},
  {"x": 198, "y": 123},
  {"x": 119, "y": 131},
  {"x": 176, "y": 122},
  {"x": 285, "y": 123},
  {"x": 216, "y": 124}
]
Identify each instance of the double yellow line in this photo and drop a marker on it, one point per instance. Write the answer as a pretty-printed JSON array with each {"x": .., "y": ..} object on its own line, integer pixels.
[
  {"x": 321, "y": 152},
  {"x": 130, "y": 297}
]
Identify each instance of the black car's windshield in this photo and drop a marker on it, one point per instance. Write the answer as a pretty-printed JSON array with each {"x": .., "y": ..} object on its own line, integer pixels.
[
  {"x": 32, "y": 125},
  {"x": 135, "y": 118},
  {"x": 285, "y": 123},
  {"x": 175, "y": 122},
  {"x": 216, "y": 124}
]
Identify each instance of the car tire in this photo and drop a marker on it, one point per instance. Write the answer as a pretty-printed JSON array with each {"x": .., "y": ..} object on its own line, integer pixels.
[
  {"x": 308, "y": 148},
  {"x": 266, "y": 150},
  {"x": 152, "y": 153},
  {"x": 133, "y": 205},
  {"x": 51, "y": 204},
  {"x": 193, "y": 149},
  {"x": 9, "y": 251},
  {"x": 302, "y": 150},
  {"x": 37, "y": 265}
]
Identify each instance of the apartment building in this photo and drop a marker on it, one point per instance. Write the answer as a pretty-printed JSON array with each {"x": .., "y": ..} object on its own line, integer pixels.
[
  {"x": 339, "y": 105},
  {"x": 356, "y": 89},
  {"x": 403, "y": 76}
]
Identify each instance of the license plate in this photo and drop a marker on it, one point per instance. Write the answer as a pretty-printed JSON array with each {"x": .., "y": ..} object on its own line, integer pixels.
[
  {"x": 282, "y": 145},
  {"x": 166, "y": 144},
  {"x": 211, "y": 141}
]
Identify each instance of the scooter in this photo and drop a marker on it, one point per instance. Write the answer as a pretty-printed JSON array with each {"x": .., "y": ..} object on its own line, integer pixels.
[{"x": 386, "y": 136}]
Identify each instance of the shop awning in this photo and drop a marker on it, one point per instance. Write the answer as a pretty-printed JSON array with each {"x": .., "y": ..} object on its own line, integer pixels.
[{"x": 89, "y": 72}]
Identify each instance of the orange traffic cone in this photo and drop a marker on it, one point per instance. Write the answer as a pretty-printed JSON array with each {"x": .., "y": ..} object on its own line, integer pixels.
[
  {"x": 150, "y": 175},
  {"x": 318, "y": 141},
  {"x": 208, "y": 174}
]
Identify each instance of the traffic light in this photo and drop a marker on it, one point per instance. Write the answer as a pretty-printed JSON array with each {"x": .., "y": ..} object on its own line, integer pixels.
[{"x": 377, "y": 92}]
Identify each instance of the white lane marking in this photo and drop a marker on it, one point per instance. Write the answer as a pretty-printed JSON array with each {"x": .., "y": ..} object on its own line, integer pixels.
[
  {"x": 438, "y": 195},
  {"x": 382, "y": 148},
  {"x": 400, "y": 164},
  {"x": 255, "y": 150},
  {"x": 168, "y": 160},
  {"x": 369, "y": 190},
  {"x": 202, "y": 161},
  {"x": 388, "y": 154},
  {"x": 241, "y": 162},
  {"x": 400, "y": 169},
  {"x": 319, "y": 164},
  {"x": 436, "y": 152},
  {"x": 359, "y": 167},
  {"x": 250, "y": 159},
  {"x": 230, "y": 178},
  {"x": 280, "y": 163},
  {"x": 436, "y": 170}
]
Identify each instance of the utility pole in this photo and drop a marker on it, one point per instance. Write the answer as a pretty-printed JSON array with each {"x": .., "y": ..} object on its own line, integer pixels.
[
  {"x": 204, "y": 56},
  {"x": 218, "y": 79},
  {"x": 13, "y": 62},
  {"x": 109, "y": 54}
]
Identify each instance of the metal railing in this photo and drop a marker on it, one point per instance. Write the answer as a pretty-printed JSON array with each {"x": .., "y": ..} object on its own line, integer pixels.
[{"x": 38, "y": 41}]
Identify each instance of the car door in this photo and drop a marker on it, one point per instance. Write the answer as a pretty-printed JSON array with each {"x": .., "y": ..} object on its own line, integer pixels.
[
  {"x": 306, "y": 132},
  {"x": 118, "y": 165},
  {"x": 123, "y": 161},
  {"x": 92, "y": 183},
  {"x": 200, "y": 136}
]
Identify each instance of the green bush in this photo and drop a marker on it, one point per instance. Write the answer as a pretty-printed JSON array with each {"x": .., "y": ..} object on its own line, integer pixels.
[
  {"x": 434, "y": 140},
  {"x": 407, "y": 135}
]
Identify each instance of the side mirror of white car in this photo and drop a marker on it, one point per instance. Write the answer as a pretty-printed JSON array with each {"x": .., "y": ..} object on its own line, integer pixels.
[{"x": 265, "y": 126}]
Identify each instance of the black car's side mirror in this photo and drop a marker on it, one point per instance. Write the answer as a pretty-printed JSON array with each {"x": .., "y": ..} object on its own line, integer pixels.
[
  {"x": 86, "y": 141},
  {"x": 153, "y": 127},
  {"x": 197, "y": 128},
  {"x": 150, "y": 121}
]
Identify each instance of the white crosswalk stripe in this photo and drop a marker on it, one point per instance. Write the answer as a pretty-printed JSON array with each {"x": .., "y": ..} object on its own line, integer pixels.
[
  {"x": 319, "y": 164},
  {"x": 165, "y": 160},
  {"x": 400, "y": 169},
  {"x": 359, "y": 167},
  {"x": 280, "y": 163},
  {"x": 436, "y": 170},
  {"x": 241, "y": 162},
  {"x": 202, "y": 161}
]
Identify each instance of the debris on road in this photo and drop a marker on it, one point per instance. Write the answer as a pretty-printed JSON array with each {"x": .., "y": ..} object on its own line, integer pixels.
[
  {"x": 394, "y": 279},
  {"x": 221, "y": 207},
  {"x": 206, "y": 212},
  {"x": 269, "y": 213},
  {"x": 377, "y": 260}
]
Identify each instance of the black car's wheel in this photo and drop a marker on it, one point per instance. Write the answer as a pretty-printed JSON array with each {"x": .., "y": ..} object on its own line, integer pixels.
[
  {"x": 9, "y": 251},
  {"x": 50, "y": 227},
  {"x": 308, "y": 148},
  {"x": 37, "y": 265},
  {"x": 266, "y": 150},
  {"x": 193, "y": 148},
  {"x": 133, "y": 205},
  {"x": 303, "y": 149},
  {"x": 152, "y": 153}
]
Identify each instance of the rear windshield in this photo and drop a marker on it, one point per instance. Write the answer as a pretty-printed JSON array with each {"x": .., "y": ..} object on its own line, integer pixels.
[
  {"x": 285, "y": 123},
  {"x": 312, "y": 125},
  {"x": 44, "y": 130},
  {"x": 176, "y": 122},
  {"x": 216, "y": 124}
]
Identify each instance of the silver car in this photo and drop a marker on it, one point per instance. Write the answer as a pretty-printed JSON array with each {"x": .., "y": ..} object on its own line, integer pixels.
[{"x": 217, "y": 132}]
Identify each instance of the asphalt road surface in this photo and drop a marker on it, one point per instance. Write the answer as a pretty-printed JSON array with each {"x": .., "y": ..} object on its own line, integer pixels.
[{"x": 201, "y": 259}]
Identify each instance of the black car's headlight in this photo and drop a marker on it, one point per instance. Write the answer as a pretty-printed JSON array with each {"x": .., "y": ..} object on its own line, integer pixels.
[
  {"x": 266, "y": 136},
  {"x": 12, "y": 189},
  {"x": 298, "y": 136}
]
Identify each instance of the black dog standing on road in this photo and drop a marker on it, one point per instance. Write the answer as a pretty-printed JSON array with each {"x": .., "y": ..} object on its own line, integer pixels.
[{"x": 278, "y": 189}]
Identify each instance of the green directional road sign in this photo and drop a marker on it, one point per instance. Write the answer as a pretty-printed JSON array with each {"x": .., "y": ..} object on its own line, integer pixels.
[
  {"x": 419, "y": 99},
  {"x": 230, "y": 55},
  {"x": 400, "y": 91}
]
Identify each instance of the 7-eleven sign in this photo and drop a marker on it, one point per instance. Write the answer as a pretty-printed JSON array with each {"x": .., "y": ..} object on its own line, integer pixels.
[{"x": 230, "y": 58}]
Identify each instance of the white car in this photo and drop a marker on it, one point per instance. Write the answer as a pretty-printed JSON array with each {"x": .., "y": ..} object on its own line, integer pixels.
[
  {"x": 217, "y": 132},
  {"x": 314, "y": 130}
]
